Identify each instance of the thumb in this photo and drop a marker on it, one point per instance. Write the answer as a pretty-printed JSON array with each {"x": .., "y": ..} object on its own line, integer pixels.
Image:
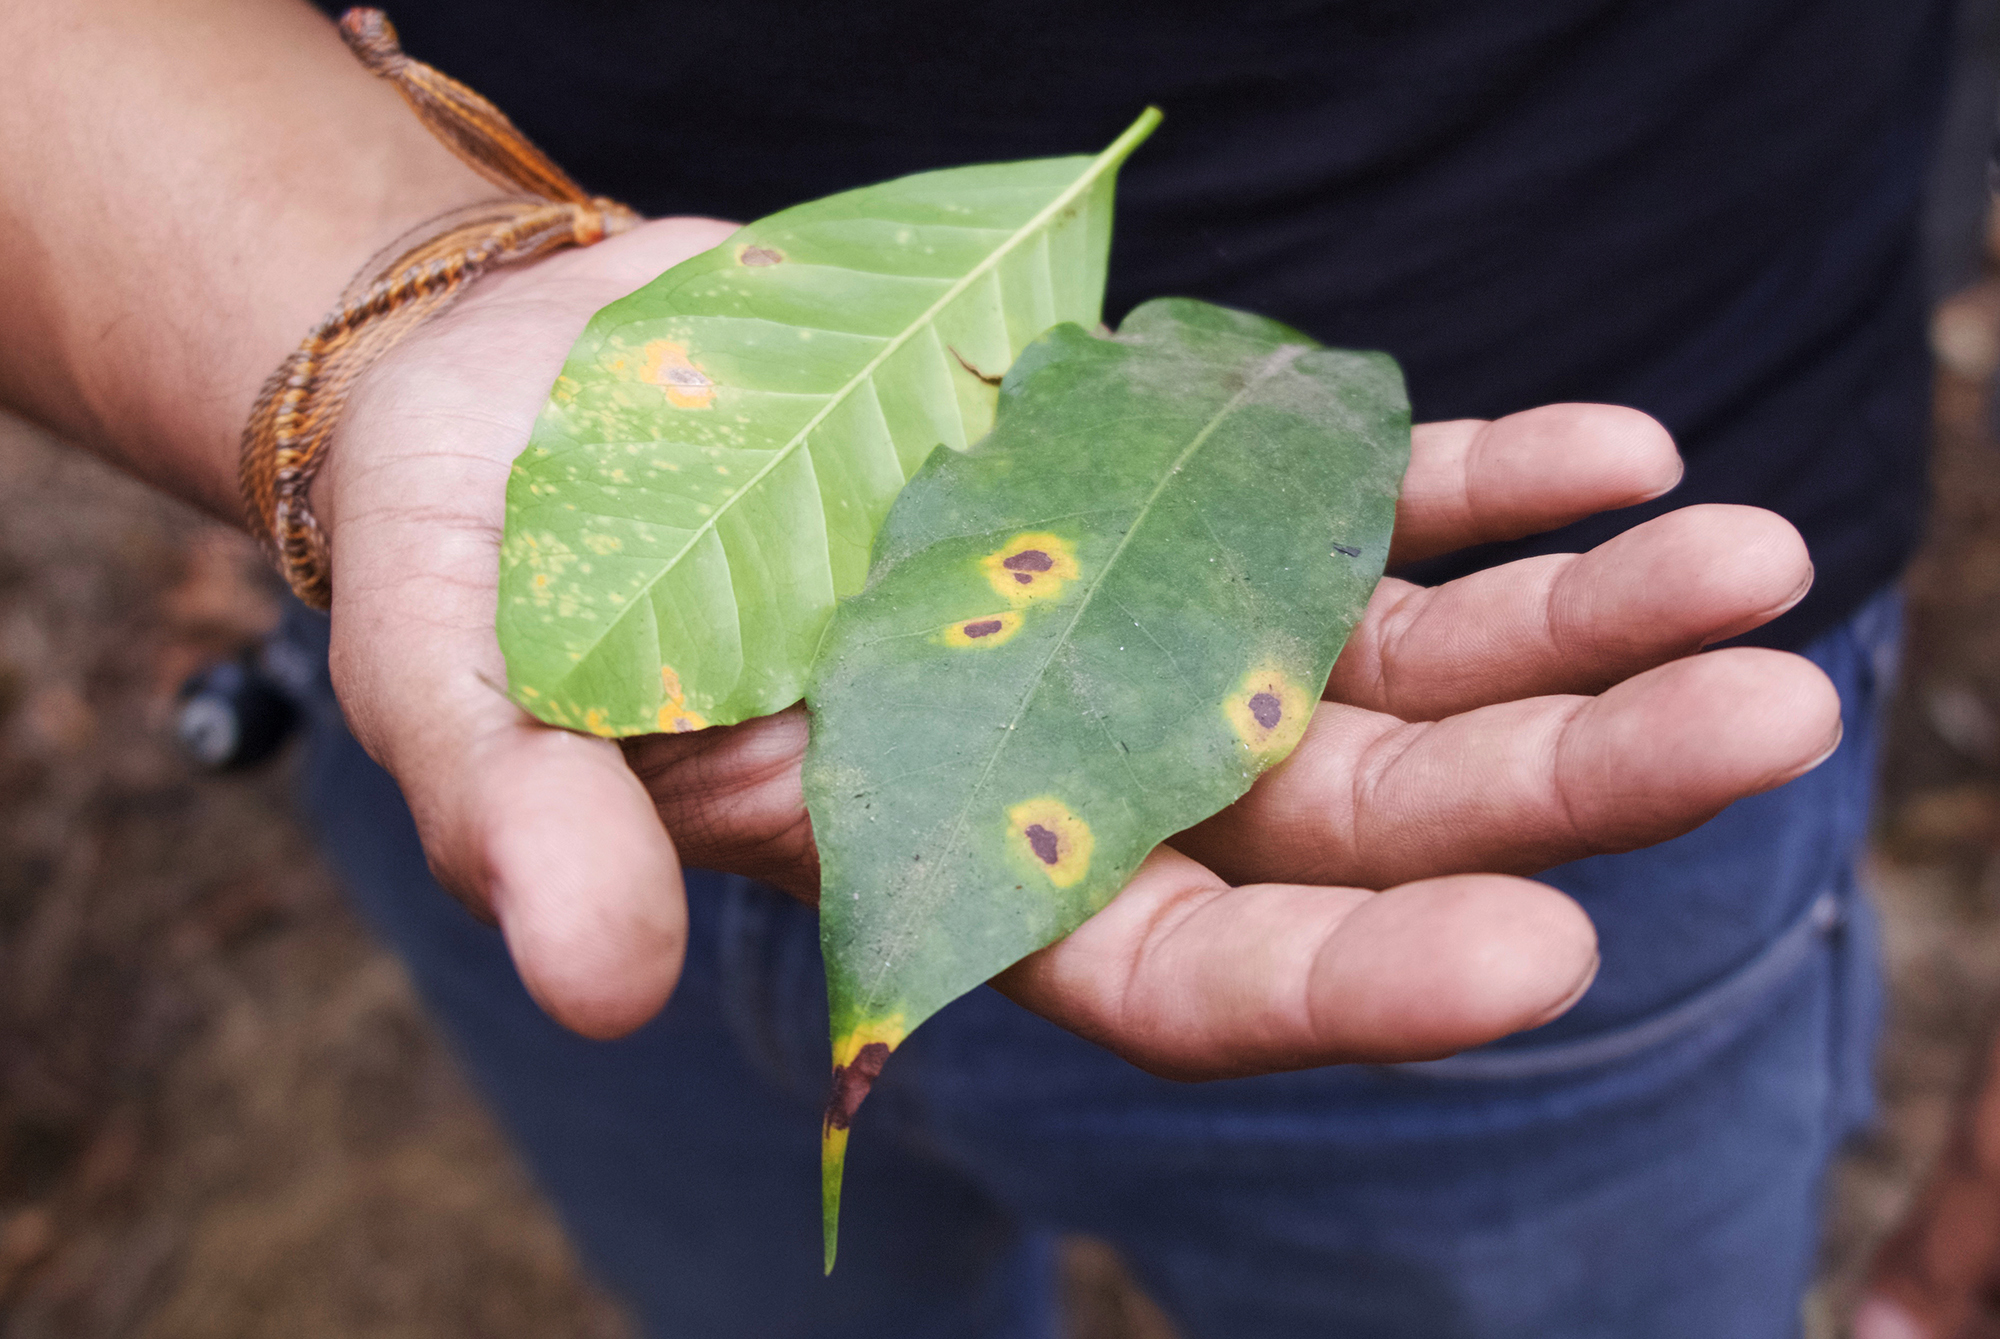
[{"x": 547, "y": 833}]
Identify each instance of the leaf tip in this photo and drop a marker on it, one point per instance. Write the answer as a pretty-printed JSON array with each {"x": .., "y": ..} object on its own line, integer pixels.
[
  {"x": 832, "y": 1163},
  {"x": 1135, "y": 135},
  {"x": 858, "y": 1057}
]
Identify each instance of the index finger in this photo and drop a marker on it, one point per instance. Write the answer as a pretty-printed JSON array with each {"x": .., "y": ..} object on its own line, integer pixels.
[{"x": 1473, "y": 481}]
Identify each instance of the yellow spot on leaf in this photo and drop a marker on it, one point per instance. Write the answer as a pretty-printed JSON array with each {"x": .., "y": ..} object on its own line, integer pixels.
[
  {"x": 541, "y": 581},
  {"x": 678, "y": 721},
  {"x": 668, "y": 367},
  {"x": 597, "y": 722},
  {"x": 1051, "y": 838},
  {"x": 1268, "y": 710},
  {"x": 674, "y": 718},
  {"x": 985, "y": 630},
  {"x": 1031, "y": 567},
  {"x": 889, "y": 1031}
]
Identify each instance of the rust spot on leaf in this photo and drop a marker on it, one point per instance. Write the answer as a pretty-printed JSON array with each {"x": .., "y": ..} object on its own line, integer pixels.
[
  {"x": 669, "y": 368},
  {"x": 679, "y": 721},
  {"x": 759, "y": 256},
  {"x": 674, "y": 717},
  {"x": 985, "y": 630},
  {"x": 1043, "y": 843},
  {"x": 1030, "y": 567},
  {"x": 851, "y": 1083},
  {"x": 1054, "y": 837},
  {"x": 1266, "y": 709}
]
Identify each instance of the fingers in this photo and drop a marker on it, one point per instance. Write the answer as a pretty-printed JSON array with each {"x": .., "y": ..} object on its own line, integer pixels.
[
  {"x": 1191, "y": 979},
  {"x": 733, "y": 799},
  {"x": 1573, "y": 623},
  {"x": 1472, "y": 482},
  {"x": 1369, "y": 800}
]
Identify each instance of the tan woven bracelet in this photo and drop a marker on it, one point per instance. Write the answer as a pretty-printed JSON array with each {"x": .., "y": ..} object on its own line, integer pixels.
[{"x": 285, "y": 442}]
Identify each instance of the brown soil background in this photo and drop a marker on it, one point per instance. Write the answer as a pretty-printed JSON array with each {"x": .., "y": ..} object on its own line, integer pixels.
[{"x": 223, "y": 1116}]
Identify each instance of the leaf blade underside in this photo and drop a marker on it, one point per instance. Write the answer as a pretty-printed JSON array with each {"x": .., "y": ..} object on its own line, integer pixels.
[
  {"x": 1089, "y": 633},
  {"x": 722, "y": 444}
]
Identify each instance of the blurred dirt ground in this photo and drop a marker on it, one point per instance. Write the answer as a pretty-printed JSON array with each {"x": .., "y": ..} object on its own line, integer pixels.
[
  {"x": 1935, "y": 868},
  {"x": 222, "y": 1115}
]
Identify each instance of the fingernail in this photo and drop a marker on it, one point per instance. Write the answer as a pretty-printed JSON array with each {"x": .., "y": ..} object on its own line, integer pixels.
[
  {"x": 1576, "y": 992},
  {"x": 1839, "y": 729},
  {"x": 1680, "y": 472},
  {"x": 1879, "y": 1318},
  {"x": 1800, "y": 593}
]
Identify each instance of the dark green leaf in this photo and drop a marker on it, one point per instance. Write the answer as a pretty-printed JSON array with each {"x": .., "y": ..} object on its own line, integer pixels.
[{"x": 1090, "y": 632}]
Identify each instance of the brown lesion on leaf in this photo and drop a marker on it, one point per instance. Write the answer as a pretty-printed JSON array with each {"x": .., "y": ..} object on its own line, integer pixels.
[
  {"x": 1053, "y": 837},
  {"x": 983, "y": 630},
  {"x": 1268, "y": 710},
  {"x": 674, "y": 718},
  {"x": 851, "y": 1083},
  {"x": 1026, "y": 563},
  {"x": 1032, "y": 566},
  {"x": 1044, "y": 843},
  {"x": 669, "y": 367},
  {"x": 987, "y": 377},
  {"x": 758, "y": 257}
]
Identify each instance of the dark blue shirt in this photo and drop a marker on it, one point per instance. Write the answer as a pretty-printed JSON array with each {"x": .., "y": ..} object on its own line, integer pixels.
[{"x": 1702, "y": 208}]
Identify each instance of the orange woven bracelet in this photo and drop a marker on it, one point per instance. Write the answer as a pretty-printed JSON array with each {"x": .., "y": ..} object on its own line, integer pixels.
[{"x": 285, "y": 441}]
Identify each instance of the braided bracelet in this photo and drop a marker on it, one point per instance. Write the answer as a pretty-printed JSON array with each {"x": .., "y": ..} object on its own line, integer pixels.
[{"x": 419, "y": 275}]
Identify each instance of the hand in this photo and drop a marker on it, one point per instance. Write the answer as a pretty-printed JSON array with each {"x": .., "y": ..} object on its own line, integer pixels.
[
  {"x": 1516, "y": 719},
  {"x": 1935, "y": 1275},
  {"x": 1444, "y": 747}
]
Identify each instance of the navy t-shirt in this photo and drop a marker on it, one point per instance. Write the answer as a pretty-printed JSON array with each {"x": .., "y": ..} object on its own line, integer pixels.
[{"x": 1702, "y": 208}]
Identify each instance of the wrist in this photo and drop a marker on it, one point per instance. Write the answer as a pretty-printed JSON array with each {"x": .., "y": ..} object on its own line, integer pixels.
[
  {"x": 187, "y": 189},
  {"x": 173, "y": 410}
]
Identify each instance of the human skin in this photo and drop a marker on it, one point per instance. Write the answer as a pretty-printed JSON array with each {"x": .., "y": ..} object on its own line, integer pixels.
[{"x": 187, "y": 186}]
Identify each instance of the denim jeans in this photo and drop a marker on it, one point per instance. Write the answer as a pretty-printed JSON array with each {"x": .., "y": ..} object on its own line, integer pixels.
[{"x": 1647, "y": 1167}]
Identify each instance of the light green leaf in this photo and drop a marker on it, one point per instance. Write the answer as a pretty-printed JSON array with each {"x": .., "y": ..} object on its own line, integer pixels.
[
  {"x": 714, "y": 460},
  {"x": 1089, "y": 633}
]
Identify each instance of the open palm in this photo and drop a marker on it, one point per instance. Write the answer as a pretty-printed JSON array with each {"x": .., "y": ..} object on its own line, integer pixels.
[{"x": 1535, "y": 713}]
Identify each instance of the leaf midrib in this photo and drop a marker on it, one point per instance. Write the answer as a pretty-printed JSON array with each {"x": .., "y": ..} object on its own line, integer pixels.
[
  {"x": 1281, "y": 357},
  {"x": 1111, "y": 157}
]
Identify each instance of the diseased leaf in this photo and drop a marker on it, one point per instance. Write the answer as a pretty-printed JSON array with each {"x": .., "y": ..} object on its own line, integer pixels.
[
  {"x": 1090, "y": 632},
  {"x": 713, "y": 462}
]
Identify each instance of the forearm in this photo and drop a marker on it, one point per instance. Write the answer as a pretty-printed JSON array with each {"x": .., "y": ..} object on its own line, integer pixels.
[{"x": 184, "y": 189}]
